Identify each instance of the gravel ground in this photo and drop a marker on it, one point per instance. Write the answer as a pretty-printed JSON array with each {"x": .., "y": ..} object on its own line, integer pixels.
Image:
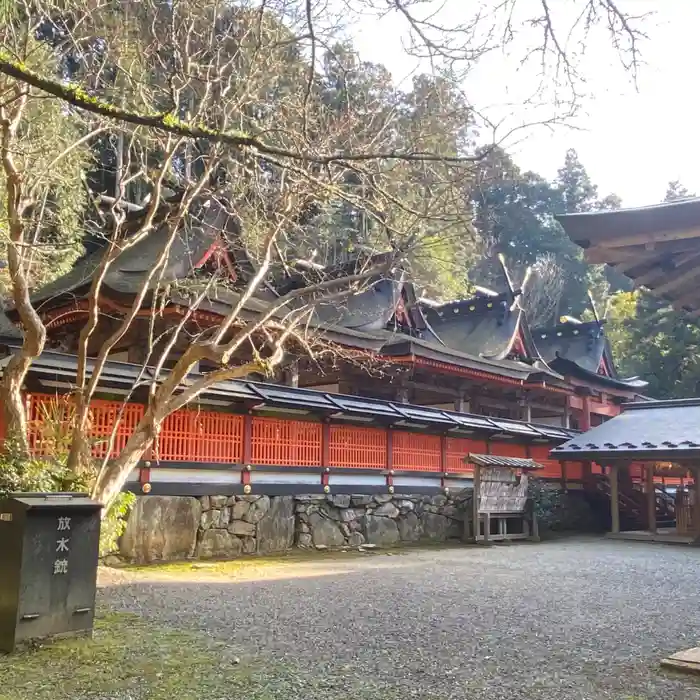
[{"x": 573, "y": 619}]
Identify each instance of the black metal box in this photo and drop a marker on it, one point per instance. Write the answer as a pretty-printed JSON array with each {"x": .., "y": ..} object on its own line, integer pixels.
[{"x": 49, "y": 550}]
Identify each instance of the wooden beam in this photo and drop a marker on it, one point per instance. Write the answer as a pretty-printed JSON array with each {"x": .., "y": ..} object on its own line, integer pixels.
[
  {"x": 683, "y": 273},
  {"x": 598, "y": 254},
  {"x": 476, "y": 525},
  {"x": 651, "y": 497},
  {"x": 696, "y": 504},
  {"x": 650, "y": 237},
  {"x": 614, "y": 499}
]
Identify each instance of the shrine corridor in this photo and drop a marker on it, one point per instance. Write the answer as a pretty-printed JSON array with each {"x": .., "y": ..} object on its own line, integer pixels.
[{"x": 575, "y": 619}]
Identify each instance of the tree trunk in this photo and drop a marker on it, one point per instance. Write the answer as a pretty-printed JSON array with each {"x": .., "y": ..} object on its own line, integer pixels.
[
  {"x": 14, "y": 410},
  {"x": 113, "y": 477}
]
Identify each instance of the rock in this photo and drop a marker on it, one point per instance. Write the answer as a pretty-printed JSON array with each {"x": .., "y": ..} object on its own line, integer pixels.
[
  {"x": 231, "y": 501},
  {"x": 225, "y": 517},
  {"x": 218, "y": 501},
  {"x": 325, "y": 532},
  {"x": 439, "y": 500},
  {"x": 204, "y": 500},
  {"x": 354, "y": 525},
  {"x": 240, "y": 510},
  {"x": 321, "y": 547},
  {"x": 381, "y": 530},
  {"x": 386, "y": 510},
  {"x": 305, "y": 540},
  {"x": 249, "y": 545},
  {"x": 451, "y": 511},
  {"x": 240, "y": 527},
  {"x": 409, "y": 527},
  {"x": 344, "y": 529},
  {"x": 383, "y": 498},
  {"x": 210, "y": 519},
  {"x": 360, "y": 500},
  {"x": 405, "y": 505},
  {"x": 435, "y": 527},
  {"x": 276, "y": 529},
  {"x": 341, "y": 500},
  {"x": 348, "y": 514},
  {"x": 219, "y": 544},
  {"x": 310, "y": 498},
  {"x": 257, "y": 510},
  {"x": 304, "y": 527},
  {"x": 112, "y": 561},
  {"x": 329, "y": 511},
  {"x": 356, "y": 539}
]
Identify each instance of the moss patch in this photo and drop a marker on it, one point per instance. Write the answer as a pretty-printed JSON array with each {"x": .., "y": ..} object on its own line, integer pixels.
[{"x": 128, "y": 658}]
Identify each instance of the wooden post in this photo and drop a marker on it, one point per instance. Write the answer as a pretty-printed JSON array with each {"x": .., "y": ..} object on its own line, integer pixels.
[
  {"x": 585, "y": 413},
  {"x": 696, "y": 505},
  {"x": 566, "y": 418},
  {"x": 651, "y": 498},
  {"x": 475, "y": 503},
  {"x": 614, "y": 499},
  {"x": 326, "y": 444},
  {"x": 247, "y": 438}
]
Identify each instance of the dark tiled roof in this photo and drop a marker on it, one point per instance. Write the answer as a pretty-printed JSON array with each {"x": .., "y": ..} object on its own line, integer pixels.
[
  {"x": 663, "y": 430},
  {"x": 658, "y": 247},
  {"x": 483, "y": 326},
  {"x": 369, "y": 310},
  {"x": 402, "y": 345},
  {"x": 581, "y": 343},
  {"x": 126, "y": 274},
  {"x": 578, "y": 349},
  {"x": 54, "y": 366}
]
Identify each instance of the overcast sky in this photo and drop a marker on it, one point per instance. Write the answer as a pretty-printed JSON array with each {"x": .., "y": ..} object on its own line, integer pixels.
[{"x": 632, "y": 141}]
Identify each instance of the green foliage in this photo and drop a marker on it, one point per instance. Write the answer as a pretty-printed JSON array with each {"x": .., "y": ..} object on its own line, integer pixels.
[
  {"x": 114, "y": 522},
  {"x": 52, "y": 163},
  {"x": 36, "y": 475},
  {"x": 546, "y": 502},
  {"x": 17, "y": 474},
  {"x": 515, "y": 216}
]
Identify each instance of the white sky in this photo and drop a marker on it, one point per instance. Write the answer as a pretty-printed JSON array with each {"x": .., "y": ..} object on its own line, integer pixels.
[{"x": 631, "y": 141}]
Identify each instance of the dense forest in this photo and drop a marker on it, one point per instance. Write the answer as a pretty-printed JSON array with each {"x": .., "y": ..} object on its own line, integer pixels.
[{"x": 452, "y": 222}]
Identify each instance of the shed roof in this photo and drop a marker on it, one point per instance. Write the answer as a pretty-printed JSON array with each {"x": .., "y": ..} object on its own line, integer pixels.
[
  {"x": 654, "y": 430},
  {"x": 504, "y": 462}
]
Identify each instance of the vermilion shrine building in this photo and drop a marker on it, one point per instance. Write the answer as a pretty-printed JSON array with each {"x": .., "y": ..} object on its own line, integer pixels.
[{"x": 434, "y": 382}]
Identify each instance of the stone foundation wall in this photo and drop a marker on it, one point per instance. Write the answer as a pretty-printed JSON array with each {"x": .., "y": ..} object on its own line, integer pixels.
[
  {"x": 384, "y": 520},
  {"x": 164, "y": 528}
]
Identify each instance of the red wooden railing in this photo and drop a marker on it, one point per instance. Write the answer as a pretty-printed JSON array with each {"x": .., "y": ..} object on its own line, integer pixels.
[
  {"x": 416, "y": 452},
  {"x": 286, "y": 442},
  {"x": 192, "y": 435},
  {"x": 358, "y": 447}
]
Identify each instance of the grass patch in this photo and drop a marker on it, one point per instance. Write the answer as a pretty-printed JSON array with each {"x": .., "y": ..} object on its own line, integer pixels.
[
  {"x": 126, "y": 658},
  {"x": 129, "y": 658}
]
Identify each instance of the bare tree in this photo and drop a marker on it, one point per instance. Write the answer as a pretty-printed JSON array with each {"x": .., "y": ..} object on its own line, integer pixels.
[
  {"x": 221, "y": 105},
  {"x": 543, "y": 290}
]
